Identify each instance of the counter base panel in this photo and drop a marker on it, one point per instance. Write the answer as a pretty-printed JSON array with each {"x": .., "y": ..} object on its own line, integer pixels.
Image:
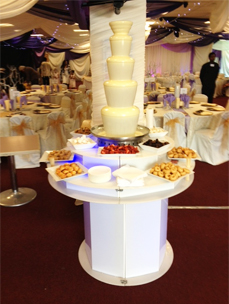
[{"x": 134, "y": 281}]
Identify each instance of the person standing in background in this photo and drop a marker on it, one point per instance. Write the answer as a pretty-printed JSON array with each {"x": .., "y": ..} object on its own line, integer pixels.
[
  {"x": 46, "y": 71},
  {"x": 65, "y": 72},
  {"x": 208, "y": 75},
  {"x": 72, "y": 82}
]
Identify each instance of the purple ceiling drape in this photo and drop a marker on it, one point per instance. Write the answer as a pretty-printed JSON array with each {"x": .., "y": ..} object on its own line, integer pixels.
[
  {"x": 79, "y": 14},
  {"x": 156, "y": 8}
]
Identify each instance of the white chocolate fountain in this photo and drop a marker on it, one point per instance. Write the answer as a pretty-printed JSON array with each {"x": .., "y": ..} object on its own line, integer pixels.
[{"x": 120, "y": 117}]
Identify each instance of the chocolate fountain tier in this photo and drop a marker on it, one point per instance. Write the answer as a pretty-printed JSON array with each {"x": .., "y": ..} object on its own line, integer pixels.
[{"x": 103, "y": 140}]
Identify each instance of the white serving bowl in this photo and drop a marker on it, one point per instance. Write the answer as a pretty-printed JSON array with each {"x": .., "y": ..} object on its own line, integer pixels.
[
  {"x": 79, "y": 134},
  {"x": 99, "y": 174},
  {"x": 156, "y": 134},
  {"x": 81, "y": 146}
]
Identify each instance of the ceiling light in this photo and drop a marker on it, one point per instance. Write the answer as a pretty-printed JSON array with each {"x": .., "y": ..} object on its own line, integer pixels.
[
  {"x": 36, "y": 35},
  {"x": 165, "y": 13},
  {"x": 207, "y": 22},
  {"x": 6, "y": 24},
  {"x": 78, "y": 30},
  {"x": 17, "y": 30}
]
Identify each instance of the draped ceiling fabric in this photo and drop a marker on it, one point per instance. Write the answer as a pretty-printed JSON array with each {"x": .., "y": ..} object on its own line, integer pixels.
[
  {"x": 12, "y": 8},
  {"x": 51, "y": 17},
  {"x": 219, "y": 16}
]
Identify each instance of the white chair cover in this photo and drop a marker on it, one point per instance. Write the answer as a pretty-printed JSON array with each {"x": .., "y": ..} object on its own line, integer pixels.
[
  {"x": 212, "y": 145},
  {"x": 174, "y": 123},
  {"x": 86, "y": 107},
  {"x": 200, "y": 98},
  {"x": 66, "y": 106},
  {"x": 53, "y": 137},
  {"x": 78, "y": 118},
  {"x": 89, "y": 99},
  {"x": 82, "y": 88},
  {"x": 21, "y": 125},
  {"x": 63, "y": 86}
]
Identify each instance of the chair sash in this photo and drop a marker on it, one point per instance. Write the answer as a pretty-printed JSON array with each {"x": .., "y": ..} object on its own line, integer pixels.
[
  {"x": 56, "y": 123},
  {"x": 19, "y": 129},
  {"x": 171, "y": 124}
]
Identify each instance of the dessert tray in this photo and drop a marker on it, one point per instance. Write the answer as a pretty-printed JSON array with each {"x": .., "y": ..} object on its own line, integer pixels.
[
  {"x": 52, "y": 172},
  {"x": 168, "y": 180},
  {"x": 117, "y": 154},
  {"x": 155, "y": 150},
  {"x": 185, "y": 158},
  {"x": 44, "y": 158}
]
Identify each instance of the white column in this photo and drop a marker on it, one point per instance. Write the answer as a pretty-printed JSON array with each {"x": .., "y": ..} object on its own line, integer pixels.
[{"x": 100, "y": 32}]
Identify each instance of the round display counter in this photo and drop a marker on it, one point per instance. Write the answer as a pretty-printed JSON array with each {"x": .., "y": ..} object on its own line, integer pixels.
[{"x": 125, "y": 227}]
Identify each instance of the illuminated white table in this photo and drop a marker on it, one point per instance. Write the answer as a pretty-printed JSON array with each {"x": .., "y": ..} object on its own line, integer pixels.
[
  {"x": 125, "y": 229},
  {"x": 15, "y": 145}
]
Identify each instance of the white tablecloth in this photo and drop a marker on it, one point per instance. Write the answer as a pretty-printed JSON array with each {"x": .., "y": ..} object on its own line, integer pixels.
[
  {"x": 193, "y": 122},
  {"x": 39, "y": 121}
]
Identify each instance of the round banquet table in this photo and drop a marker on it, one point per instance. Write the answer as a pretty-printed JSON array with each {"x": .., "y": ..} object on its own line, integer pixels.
[
  {"x": 193, "y": 122},
  {"x": 125, "y": 228},
  {"x": 39, "y": 121}
]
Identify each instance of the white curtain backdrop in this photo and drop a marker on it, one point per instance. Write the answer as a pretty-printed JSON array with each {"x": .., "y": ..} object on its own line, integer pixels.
[
  {"x": 224, "y": 68},
  {"x": 81, "y": 66},
  {"x": 223, "y": 45},
  {"x": 201, "y": 57},
  {"x": 12, "y": 8},
  {"x": 166, "y": 61},
  {"x": 56, "y": 59}
]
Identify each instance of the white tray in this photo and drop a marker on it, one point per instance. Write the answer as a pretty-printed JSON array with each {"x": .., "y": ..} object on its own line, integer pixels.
[
  {"x": 44, "y": 158},
  {"x": 52, "y": 170},
  {"x": 184, "y": 159},
  {"x": 167, "y": 180}
]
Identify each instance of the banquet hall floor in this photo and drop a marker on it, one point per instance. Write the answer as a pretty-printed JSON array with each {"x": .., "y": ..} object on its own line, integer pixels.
[{"x": 40, "y": 242}]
